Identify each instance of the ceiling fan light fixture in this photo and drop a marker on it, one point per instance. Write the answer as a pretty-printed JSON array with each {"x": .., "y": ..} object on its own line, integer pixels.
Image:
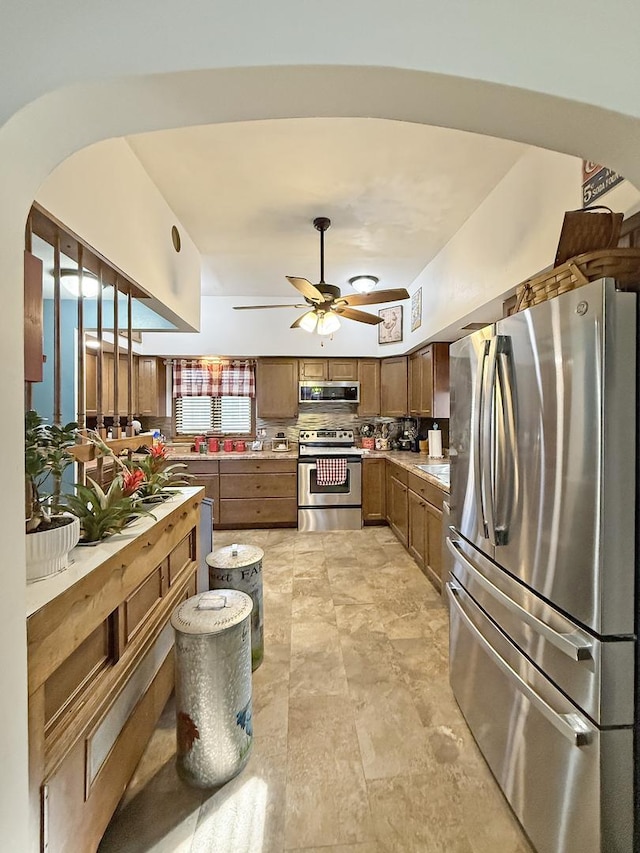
[
  {"x": 328, "y": 323},
  {"x": 309, "y": 321},
  {"x": 364, "y": 283}
]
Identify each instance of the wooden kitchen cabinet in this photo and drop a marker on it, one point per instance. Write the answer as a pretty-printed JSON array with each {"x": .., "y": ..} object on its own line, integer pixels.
[
  {"x": 429, "y": 381},
  {"x": 151, "y": 386},
  {"x": 417, "y": 544},
  {"x": 277, "y": 388},
  {"x": 343, "y": 369},
  {"x": 394, "y": 402},
  {"x": 369, "y": 378},
  {"x": 313, "y": 369},
  {"x": 373, "y": 491},
  {"x": 205, "y": 473},
  {"x": 258, "y": 493},
  {"x": 397, "y": 502},
  {"x": 433, "y": 560}
]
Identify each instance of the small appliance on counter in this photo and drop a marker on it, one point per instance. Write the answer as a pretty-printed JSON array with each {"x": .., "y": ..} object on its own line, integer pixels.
[
  {"x": 407, "y": 435},
  {"x": 280, "y": 443}
]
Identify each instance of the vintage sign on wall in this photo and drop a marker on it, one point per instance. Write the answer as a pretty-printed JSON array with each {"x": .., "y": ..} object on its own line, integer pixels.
[{"x": 597, "y": 180}]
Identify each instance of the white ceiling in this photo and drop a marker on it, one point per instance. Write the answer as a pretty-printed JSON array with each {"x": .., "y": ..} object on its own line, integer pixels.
[{"x": 247, "y": 194}]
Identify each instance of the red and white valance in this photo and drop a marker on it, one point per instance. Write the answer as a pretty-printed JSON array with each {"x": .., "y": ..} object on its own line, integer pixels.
[{"x": 202, "y": 378}]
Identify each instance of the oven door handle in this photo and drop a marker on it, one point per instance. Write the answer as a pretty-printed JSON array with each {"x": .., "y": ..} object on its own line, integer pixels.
[
  {"x": 575, "y": 645},
  {"x": 570, "y": 726}
]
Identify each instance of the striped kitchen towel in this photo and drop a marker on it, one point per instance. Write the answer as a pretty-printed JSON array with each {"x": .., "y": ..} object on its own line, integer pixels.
[{"x": 331, "y": 471}]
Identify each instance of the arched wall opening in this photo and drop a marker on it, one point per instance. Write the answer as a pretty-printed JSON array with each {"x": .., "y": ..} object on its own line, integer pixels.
[{"x": 45, "y": 132}]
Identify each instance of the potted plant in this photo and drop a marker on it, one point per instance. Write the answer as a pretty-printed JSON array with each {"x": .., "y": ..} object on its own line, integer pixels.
[
  {"x": 103, "y": 513},
  {"x": 159, "y": 478},
  {"x": 51, "y": 533}
]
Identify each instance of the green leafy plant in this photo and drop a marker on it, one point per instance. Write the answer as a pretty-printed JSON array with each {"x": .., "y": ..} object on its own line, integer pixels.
[
  {"x": 46, "y": 459},
  {"x": 159, "y": 477},
  {"x": 103, "y": 513}
]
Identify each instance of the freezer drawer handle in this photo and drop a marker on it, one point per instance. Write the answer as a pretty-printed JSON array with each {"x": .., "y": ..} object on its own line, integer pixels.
[
  {"x": 570, "y": 726},
  {"x": 574, "y": 645}
]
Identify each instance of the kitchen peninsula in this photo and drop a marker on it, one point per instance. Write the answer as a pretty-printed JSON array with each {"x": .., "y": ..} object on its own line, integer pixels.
[{"x": 101, "y": 667}]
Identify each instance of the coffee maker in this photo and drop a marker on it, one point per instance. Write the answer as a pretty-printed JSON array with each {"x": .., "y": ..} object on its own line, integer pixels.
[{"x": 408, "y": 433}]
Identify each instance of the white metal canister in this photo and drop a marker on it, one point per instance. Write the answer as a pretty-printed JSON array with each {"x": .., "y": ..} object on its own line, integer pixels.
[
  {"x": 214, "y": 727},
  {"x": 240, "y": 567}
]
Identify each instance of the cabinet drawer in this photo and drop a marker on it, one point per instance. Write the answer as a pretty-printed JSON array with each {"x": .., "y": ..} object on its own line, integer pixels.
[
  {"x": 399, "y": 473},
  {"x": 258, "y": 486},
  {"x": 202, "y": 466},
  {"x": 258, "y": 466},
  {"x": 248, "y": 512},
  {"x": 432, "y": 494}
]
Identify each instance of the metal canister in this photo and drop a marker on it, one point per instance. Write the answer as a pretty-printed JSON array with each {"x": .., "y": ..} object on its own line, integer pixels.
[
  {"x": 240, "y": 567},
  {"x": 214, "y": 729}
]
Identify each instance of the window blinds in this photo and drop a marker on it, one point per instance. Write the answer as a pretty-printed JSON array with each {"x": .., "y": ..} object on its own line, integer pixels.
[{"x": 201, "y": 414}]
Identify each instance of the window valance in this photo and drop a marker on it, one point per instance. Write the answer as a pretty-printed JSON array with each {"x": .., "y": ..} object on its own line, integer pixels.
[{"x": 222, "y": 378}]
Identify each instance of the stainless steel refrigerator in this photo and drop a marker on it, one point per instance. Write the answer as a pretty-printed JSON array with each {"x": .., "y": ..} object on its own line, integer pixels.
[{"x": 543, "y": 590}]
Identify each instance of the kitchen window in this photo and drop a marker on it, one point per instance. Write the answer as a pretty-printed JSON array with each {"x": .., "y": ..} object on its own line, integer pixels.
[
  {"x": 214, "y": 396},
  {"x": 219, "y": 415}
]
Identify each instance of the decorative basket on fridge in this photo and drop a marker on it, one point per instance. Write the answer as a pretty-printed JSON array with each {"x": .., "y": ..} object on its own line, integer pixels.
[{"x": 586, "y": 251}]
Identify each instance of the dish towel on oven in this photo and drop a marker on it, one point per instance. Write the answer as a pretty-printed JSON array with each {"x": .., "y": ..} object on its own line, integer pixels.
[{"x": 331, "y": 471}]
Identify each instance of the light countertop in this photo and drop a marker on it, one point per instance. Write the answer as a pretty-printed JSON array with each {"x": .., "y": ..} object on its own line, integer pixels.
[{"x": 407, "y": 460}]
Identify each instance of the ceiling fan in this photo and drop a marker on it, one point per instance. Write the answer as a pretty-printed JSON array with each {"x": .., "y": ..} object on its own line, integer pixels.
[{"x": 324, "y": 302}]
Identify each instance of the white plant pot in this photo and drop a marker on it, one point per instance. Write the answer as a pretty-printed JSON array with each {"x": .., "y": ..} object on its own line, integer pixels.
[{"x": 48, "y": 550}]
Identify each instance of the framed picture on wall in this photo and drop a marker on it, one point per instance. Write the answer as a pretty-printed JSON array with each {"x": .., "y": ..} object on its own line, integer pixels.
[
  {"x": 416, "y": 310},
  {"x": 390, "y": 330}
]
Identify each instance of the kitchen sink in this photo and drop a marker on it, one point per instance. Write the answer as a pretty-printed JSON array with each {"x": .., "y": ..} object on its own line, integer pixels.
[{"x": 441, "y": 472}]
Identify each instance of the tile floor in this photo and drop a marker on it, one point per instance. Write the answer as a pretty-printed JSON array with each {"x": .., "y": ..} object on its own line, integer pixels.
[{"x": 359, "y": 745}]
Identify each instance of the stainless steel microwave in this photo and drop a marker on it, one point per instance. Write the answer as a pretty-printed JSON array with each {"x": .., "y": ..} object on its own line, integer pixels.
[{"x": 329, "y": 392}]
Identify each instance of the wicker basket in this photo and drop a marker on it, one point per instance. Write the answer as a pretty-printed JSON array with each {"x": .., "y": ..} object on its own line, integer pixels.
[{"x": 621, "y": 264}]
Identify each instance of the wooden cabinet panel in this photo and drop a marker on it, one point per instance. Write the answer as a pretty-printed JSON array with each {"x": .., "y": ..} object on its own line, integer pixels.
[
  {"x": 258, "y": 466},
  {"x": 151, "y": 386},
  {"x": 33, "y": 334},
  {"x": 373, "y": 491},
  {"x": 417, "y": 528},
  {"x": 142, "y": 601},
  {"x": 258, "y": 513},
  {"x": 398, "y": 509},
  {"x": 183, "y": 554},
  {"x": 394, "y": 402},
  {"x": 277, "y": 388},
  {"x": 433, "y": 561},
  {"x": 343, "y": 369},
  {"x": 369, "y": 378},
  {"x": 91, "y": 382},
  {"x": 429, "y": 381},
  {"x": 313, "y": 368},
  {"x": 204, "y": 472},
  {"x": 258, "y": 486}
]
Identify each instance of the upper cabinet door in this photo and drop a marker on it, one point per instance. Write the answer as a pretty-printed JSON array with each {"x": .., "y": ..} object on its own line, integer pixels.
[
  {"x": 429, "y": 381},
  {"x": 369, "y": 378},
  {"x": 343, "y": 369},
  {"x": 394, "y": 398},
  {"x": 313, "y": 368},
  {"x": 277, "y": 387}
]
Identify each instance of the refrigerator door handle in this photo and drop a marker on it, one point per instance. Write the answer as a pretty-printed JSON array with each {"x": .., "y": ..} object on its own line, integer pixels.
[
  {"x": 506, "y": 486},
  {"x": 487, "y": 442},
  {"x": 571, "y": 726},
  {"x": 575, "y": 645},
  {"x": 476, "y": 437}
]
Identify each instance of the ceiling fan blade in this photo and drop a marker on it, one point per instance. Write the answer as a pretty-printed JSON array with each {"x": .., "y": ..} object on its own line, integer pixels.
[
  {"x": 360, "y": 316},
  {"x": 306, "y": 288},
  {"x": 376, "y": 297},
  {"x": 253, "y": 307}
]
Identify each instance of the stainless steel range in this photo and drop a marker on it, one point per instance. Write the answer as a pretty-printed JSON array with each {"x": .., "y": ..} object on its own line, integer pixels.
[{"x": 333, "y": 500}]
